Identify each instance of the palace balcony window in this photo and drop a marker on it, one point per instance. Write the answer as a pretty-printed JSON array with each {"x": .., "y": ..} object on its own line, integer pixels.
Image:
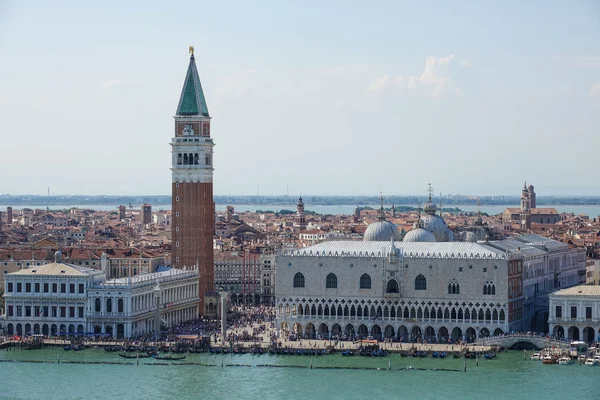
[
  {"x": 489, "y": 288},
  {"x": 392, "y": 286},
  {"x": 420, "y": 283},
  {"x": 365, "y": 281},
  {"x": 299, "y": 280},
  {"x": 331, "y": 281},
  {"x": 453, "y": 287}
]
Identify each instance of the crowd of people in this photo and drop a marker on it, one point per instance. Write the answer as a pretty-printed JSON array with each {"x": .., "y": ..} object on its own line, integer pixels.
[{"x": 244, "y": 324}]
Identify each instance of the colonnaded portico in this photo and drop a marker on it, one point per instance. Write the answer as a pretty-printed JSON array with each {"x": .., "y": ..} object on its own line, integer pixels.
[{"x": 399, "y": 320}]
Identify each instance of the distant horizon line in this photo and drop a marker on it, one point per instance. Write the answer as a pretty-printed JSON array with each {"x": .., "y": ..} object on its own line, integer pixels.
[{"x": 301, "y": 195}]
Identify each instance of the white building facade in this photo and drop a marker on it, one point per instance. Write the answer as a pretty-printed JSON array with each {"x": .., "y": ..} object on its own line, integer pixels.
[
  {"x": 410, "y": 290},
  {"x": 126, "y": 307},
  {"x": 48, "y": 299},
  {"x": 60, "y": 298},
  {"x": 575, "y": 313}
]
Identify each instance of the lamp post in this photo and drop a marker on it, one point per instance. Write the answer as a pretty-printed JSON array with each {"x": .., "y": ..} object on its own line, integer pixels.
[{"x": 157, "y": 295}]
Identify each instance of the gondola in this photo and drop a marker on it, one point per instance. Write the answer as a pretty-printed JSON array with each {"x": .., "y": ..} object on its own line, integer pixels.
[
  {"x": 125, "y": 355},
  {"x": 169, "y": 358}
]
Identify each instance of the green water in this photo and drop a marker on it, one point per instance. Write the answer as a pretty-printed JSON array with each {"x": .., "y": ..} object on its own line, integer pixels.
[{"x": 508, "y": 376}]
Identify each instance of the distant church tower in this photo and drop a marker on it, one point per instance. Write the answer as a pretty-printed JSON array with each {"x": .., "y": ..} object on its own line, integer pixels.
[
  {"x": 193, "y": 212},
  {"x": 300, "y": 218},
  {"x": 531, "y": 196},
  {"x": 525, "y": 208}
]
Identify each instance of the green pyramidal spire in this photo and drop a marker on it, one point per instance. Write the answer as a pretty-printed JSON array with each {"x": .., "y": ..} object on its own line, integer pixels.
[{"x": 192, "y": 101}]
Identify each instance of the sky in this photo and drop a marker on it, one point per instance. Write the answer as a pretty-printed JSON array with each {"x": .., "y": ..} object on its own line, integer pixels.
[{"x": 312, "y": 97}]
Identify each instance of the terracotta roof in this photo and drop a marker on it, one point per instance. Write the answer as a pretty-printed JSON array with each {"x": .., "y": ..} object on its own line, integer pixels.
[{"x": 534, "y": 211}]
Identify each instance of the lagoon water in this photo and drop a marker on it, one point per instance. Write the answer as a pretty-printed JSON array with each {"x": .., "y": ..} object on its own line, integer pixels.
[{"x": 508, "y": 376}]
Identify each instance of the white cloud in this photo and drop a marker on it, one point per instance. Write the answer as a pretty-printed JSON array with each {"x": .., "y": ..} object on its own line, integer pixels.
[
  {"x": 113, "y": 83},
  {"x": 435, "y": 81},
  {"x": 595, "y": 90}
]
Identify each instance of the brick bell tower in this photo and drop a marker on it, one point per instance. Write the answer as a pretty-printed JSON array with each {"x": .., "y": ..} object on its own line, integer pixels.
[{"x": 192, "y": 184}]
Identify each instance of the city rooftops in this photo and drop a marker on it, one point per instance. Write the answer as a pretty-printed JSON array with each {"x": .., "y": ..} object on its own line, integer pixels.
[{"x": 542, "y": 242}]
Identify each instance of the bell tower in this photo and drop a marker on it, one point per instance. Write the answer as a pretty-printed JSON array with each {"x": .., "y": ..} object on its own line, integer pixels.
[
  {"x": 525, "y": 208},
  {"x": 192, "y": 184}
]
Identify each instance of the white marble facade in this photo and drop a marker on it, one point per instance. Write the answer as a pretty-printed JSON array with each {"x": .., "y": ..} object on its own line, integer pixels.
[{"x": 417, "y": 290}]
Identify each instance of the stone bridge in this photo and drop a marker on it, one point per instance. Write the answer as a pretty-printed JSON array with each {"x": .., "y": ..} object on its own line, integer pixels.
[{"x": 508, "y": 341}]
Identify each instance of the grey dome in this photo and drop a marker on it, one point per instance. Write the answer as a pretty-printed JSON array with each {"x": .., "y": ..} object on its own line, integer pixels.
[
  {"x": 436, "y": 225},
  {"x": 419, "y": 235},
  {"x": 430, "y": 207},
  {"x": 381, "y": 231}
]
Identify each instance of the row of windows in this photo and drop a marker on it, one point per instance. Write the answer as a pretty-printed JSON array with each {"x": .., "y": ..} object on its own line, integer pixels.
[
  {"x": 109, "y": 305},
  {"x": 588, "y": 312},
  {"x": 192, "y": 159},
  {"x": 37, "y": 286},
  {"x": 44, "y": 312},
  {"x": 392, "y": 286}
]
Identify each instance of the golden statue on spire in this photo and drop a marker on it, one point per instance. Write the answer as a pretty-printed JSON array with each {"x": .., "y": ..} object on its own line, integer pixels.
[{"x": 192, "y": 50}]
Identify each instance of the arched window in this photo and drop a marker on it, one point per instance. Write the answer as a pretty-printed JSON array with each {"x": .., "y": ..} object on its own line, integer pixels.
[
  {"x": 420, "y": 283},
  {"x": 98, "y": 304},
  {"x": 489, "y": 288},
  {"x": 365, "y": 281},
  {"x": 453, "y": 287},
  {"x": 179, "y": 159},
  {"x": 196, "y": 159},
  {"x": 185, "y": 159},
  {"x": 331, "y": 281},
  {"x": 109, "y": 305},
  {"x": 298, "y": 280},
  {"x": 120, "y": 305},
  {"x": 392, "y": 286}
]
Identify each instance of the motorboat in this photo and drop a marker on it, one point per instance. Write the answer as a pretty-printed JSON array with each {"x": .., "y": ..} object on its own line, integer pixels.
[
  {"x": 549, "y": 359},
  {"x": 592, "y": 362},
  {"x": 535, "y": 357},
  {"x": 565, "y": 360}
]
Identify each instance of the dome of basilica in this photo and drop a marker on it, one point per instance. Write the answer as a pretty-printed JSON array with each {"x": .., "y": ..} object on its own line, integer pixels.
[
  {"x": 419, "y": 235},
  {"x": 381, "y": 231},
  {"x": 436, "y": 225}
]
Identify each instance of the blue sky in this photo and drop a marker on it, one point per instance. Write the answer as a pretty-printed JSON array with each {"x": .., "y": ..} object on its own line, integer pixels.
[{"x": 328, "y": 97}]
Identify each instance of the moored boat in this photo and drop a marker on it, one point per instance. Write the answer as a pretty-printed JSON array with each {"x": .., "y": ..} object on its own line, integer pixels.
[
  {"x": 565, "y": 360},
  {"x": 169, "y": 358},
  {"x": 591, "y": 362},
  {"x": 549, "y": 359}
]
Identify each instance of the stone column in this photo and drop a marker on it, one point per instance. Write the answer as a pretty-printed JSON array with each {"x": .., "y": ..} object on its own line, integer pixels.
[
  {"x": 157, "y": 296},
  {"x": 223, "y": 295}
]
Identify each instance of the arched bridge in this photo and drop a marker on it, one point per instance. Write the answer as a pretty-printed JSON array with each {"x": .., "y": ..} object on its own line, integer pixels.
[{"x": 509, "y": 341}]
